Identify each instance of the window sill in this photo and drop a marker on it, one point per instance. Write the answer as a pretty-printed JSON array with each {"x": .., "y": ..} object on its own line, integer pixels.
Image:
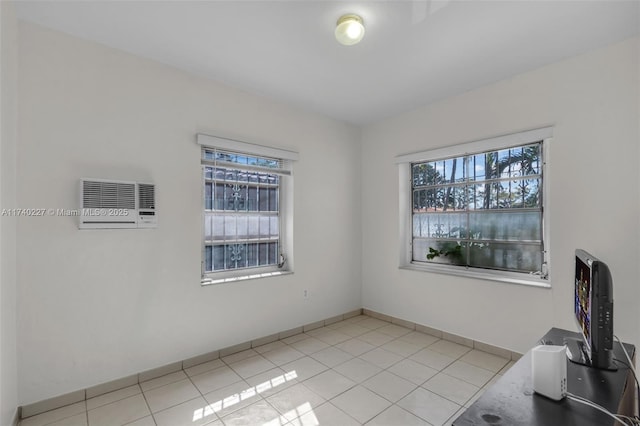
[
  {"x": 216, "y": 281},
  {"x": 503, "y": 277}
]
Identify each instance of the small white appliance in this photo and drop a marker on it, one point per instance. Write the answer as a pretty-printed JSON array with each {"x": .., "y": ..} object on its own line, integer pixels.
[{"x": 549, "y": 371}]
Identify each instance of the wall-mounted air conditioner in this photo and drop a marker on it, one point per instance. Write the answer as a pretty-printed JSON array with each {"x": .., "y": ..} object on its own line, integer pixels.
[{"x": 116, "y": 204}]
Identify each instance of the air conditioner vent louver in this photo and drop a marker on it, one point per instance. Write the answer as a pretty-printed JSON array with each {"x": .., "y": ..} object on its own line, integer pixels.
[
  {"x": 146, "y": 196},
  {"x": 116, "y": 204},
  {"x": 108, "y": 195}
]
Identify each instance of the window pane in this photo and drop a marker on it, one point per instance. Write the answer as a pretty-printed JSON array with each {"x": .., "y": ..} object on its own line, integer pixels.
[
  {"x": 263, "y": 254},
  {"x": 208, "y": 258},
  {"x": 219, "y": 173},
  {"x": 522, "y": 161},
  {"x": 235, "y": 256},
  {"x": 477, "y": 167},
  {"x": 273, "y": 253},
  {"x": 521, "y": 193},
  {"x": 453, "y": 198},
  {"x": 272, "y": 163},
  {"x": 420, "y": 225},
  {"x": 218, "y": 258},
  {"x": 242, "y": 227},
  {"x": 273, "y": 199},
  {"x": 253, "y": 227},
  {"x": 527, "y": 193},
  {"x": 242, "y": 176},
  {"x": 238, "y": 158},
  {"x": 219, "y": 196},
  {"x": 451, "y": 170},
  {"x": 208, "y": 226},
  {"x": 524, "y": 193},
  {"x": 208, "y": 196},
  {"x": 445, "y": 198},
  {"x": 263, "y": 197},
  {"x": 419, "y": 174},
  {"x": 265, "y": 229},
  {"x": 229, "y": 226},
  {"x": 508, "y": 226},
  {"x": 252, "y": 198},
  {"x": 485, "y": 166},
  {"x": 430, "y": 225},
  {"x": 253, "y": 177},
  {"x": 447, "y": 252},
  {"x": 486, "y": 196},
  {"x": 448, "y": 225},
  {"x": 235, "y": 197},
  {"x": 241, "y": 206},
  {"x": 241, "y": 255},
  {"x": 428, "y": 174},
  {"x": 252, "y": 254},
  {"x": 426, "y": 200},
  {"x": 218, "y": 226},
  {"x": 478, "y": 202},
  {"x": 514, "y": 257}
]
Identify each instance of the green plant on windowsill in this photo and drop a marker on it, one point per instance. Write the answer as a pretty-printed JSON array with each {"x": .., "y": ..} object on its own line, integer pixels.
[{"x": 455, "y": 252}]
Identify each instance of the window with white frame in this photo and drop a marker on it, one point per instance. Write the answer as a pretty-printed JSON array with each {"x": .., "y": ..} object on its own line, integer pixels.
[
  {"x": 479, "y": 208},
  {"x": 246, "y": 205}
]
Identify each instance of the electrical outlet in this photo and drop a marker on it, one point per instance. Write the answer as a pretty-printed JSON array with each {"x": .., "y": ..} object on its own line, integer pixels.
[{"x": 305, "y": 293}]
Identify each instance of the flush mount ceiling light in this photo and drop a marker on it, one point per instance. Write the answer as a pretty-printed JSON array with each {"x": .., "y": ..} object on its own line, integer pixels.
[{"x": 349, "y": 29}]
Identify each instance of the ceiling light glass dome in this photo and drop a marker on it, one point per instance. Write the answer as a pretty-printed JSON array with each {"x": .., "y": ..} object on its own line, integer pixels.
[{"x": 349, "y": 29}]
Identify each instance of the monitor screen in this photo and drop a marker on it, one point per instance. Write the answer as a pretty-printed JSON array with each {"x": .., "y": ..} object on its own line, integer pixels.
[{"x": 582, "y": 296}]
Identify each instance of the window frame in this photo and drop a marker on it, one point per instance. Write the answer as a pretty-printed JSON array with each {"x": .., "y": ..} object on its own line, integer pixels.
[
  {"x": 285, "y": 211},
  {"x": 405, "y": 162}
]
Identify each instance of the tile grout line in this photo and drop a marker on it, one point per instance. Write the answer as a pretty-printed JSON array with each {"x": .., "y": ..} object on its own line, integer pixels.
[
  {"x": 218, "y": 417},
  {"x": 348, "y": 321},
  {"x": 361, "y": 384},
  {"x": 338, "y": 408},
  {"x": 171, "y": 406},
  {"x": 415, "y": 386},
  {"x": 403, "y": 357},
  {"x": 148, "y": 406}
]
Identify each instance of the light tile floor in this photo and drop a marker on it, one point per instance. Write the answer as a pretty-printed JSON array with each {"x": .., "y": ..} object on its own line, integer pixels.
[{"x": 361, "y": 371}]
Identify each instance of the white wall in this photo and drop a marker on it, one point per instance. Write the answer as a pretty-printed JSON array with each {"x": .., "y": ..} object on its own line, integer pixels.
[
  {"x": 98, "y": 305},
  {"x": 8, "y": 127},
  {"x": 592, "y": 102}
]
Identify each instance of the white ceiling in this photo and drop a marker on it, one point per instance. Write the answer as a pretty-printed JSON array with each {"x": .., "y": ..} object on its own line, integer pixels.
[{"x": 414, "y": 52}]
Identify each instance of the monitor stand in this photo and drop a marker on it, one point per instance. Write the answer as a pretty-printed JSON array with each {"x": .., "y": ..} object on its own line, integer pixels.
[{"x": 577, "y": 353}]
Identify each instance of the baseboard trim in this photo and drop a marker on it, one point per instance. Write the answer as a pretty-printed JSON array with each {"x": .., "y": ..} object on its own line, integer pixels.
[
  {"x": 113, "y": 385},
  {"x": 462, "y": 340},
  {"x": 60, "y": 401},
  {"x": 16, "y": 417}
]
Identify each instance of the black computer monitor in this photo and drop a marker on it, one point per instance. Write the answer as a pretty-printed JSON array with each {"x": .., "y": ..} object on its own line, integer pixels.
[{"x": 593, "y": 309}]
